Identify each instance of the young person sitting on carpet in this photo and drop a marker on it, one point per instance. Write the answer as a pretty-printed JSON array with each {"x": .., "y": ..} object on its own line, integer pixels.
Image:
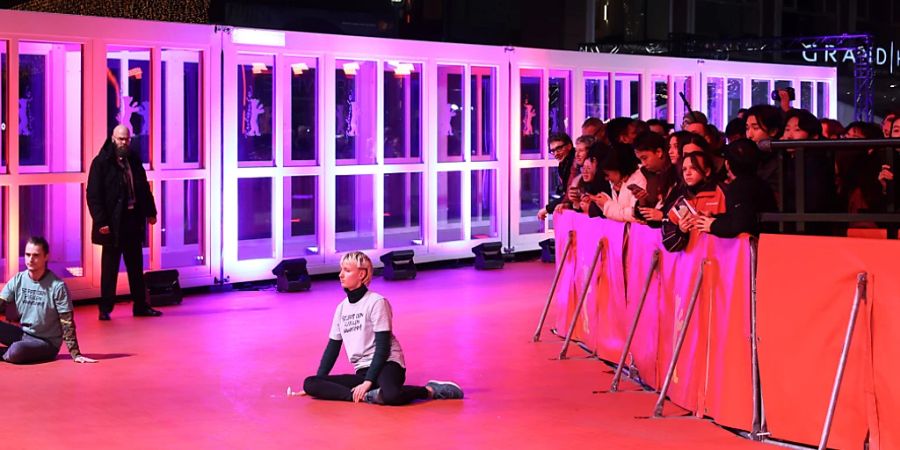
[{"x": 363, "y": 322}]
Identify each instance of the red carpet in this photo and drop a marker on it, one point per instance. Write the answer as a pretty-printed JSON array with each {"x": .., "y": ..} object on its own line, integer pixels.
[{"x": 212, "y": 373}]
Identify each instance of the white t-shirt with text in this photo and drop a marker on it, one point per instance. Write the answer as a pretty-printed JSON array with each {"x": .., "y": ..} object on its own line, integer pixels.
[{"x": 356, "y": 325}]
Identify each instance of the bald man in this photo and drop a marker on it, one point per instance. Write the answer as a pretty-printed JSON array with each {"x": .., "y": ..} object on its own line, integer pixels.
[{"x": 121, "y": 205}]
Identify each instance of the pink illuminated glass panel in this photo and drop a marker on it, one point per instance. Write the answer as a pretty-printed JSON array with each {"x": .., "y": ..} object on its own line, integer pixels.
[
  {"x": 531, "y": 200},
  {"x": 715, "y": 101},
  {"x": 354, "y": 212},
  {"x": 559, "y": 102},
  {"x": 302, "y": 135},
  {"x": 661, "y": 97},
  {"x": 483, "y": 107},
  {"x": 256, "y": 113},
  {"x": 254, "y": 218},
  {"x": 128, "y": 99},
  {"x": 301, "y": 216},
  {"x": 402, "y": 209},
  {"x": 531, "y": 137},
  {"x": 4, "y": 81},
  {"x": 355, "y": 111},
  {"x": 4, "y": 218},
  {"x": 449, "y": 206},
  {"x": 484, "y": 207},
  {"x": 735, "y": 97},
  {"x": 759, "y": 92},
  {"x": 628, "y": 95},
  {"x": 822, "y": 106},
  {"x": 596, "y": 95},
  {"x": 50, "y": 103},
  {"x": 181, "y": 108},
  {"x": 181, "y": 222},
  {"x": 43, "y": 212},
  {"x": 450, "y": 109},
  {"x": 682, "y": 87},
  {"x": 402, "y": 112}
]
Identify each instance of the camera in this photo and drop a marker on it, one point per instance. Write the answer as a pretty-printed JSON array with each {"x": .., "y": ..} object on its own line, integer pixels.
[{"x": 791, "y": 94}]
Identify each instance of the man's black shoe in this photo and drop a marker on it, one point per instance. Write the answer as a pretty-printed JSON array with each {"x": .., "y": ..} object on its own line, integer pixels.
[
  {"x": 147, "y": 312},
  {"x": 104, "y": 316}
]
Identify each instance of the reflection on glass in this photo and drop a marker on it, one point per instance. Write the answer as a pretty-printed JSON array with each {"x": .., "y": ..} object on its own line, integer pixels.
[
  {"x": 355, "y": 109},
  {"x": 596, "y": 95},
  {"x": 530, "y": 113},
  {"x": 449, "y": 201},
  {"x": 54, "y": 212},
  {"x": 255, "y": 109},
  {"x": 484, "y": 208},
  {"x": 806, "y": 95},
  {"x": 715, "y": 101},
  {"x": 50, "y": 79},
  {"x": 128, "y": 95},
  {"x": 661, "y": 98},
  {"x": 354, "y": 212},
  {"x": 402, "y": 209},
  {"x": 301, "y": 144},
  {"x": 782, "y": 84},
  {"x": 628, "y": 95},
  {"x": 450, "y": 107},
  {"x": 822, "y": 99},
  {"x": 735, "y": 96},
  {"x": 254, "y": 218},
  {"x": 559, "y": 104},
  {"x": 181, "y": 223},
  {"x": 402, "y": 112},
  {"x": 759, "y": 92},
  {"x": 483, "y": 104},
  {"x": 181, "y": 102},
  {"x": 682, "y": 87},
  {"x": 553, "y": 181},
  {"x": 531, "y": 200},
  {"x": 300, "y": 215},
  {"x": 3, "y": 125}
]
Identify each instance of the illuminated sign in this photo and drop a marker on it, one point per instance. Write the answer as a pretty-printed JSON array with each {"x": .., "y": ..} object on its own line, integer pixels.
[{"x": 881, "y": 56}]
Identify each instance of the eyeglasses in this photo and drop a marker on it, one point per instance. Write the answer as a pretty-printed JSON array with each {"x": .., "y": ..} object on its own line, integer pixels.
[{"x": 558, "y": 148}]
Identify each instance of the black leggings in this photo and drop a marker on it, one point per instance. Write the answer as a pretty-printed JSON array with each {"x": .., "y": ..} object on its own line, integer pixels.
[
  {"x": 390, "y": 380},
  {"x": 24, "y": 348}
]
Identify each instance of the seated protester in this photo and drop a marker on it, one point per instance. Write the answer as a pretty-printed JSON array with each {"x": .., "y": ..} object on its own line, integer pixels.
[
  {"x": 818, "y": 169},
  {"x": 44, "y": 310},
  {"x": 660, "y": 174},
  {"x": 746, "y": 195},
  {"x": 616, "y": 129},
  {"x": 581, "y": 150},
  {"x": 626, "y": 182},
  {"x": 832, "y": 129},
  {"x": 659, "y": 127},
  {"x": 561, "y": 149},
  {"x": 736, "y": 129},
  {"x": 700, "y": 196},
  {"x": 363, "y": 325},
  {"x": 677, "y": 141},
  {"x": 593, "y": 183},
  {"x": 860, "y": 174},
  {"x": 766, "y": 122}
]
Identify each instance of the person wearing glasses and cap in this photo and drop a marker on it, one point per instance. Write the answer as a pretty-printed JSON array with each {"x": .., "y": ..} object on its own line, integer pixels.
[{"x": 561, "y": 149}]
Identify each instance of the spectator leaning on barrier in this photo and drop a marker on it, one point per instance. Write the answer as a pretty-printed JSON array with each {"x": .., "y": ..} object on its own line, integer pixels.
[
  {"x": 746, "y": 195},
  {"x": 626, "y": 182},
  {"x": 832, "y": 129},
  {"x": 860, "y": 174},
  {"x": 561, "y": 149},
  {"x": 700, "y": 196},
  {"x": 593, "y": 183},
  {"x": 660, "y": 174},
  {"x": 581, "y": 151},
  {"x": 818, "y": 167},
  {"x": 766, "y": 122},
  {"x": 595, "y": 127}
]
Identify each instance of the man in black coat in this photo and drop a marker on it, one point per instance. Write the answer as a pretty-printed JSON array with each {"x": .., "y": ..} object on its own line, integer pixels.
[
  {"x": 121, "y": 204},
  {"x": 561, "y": 149}
]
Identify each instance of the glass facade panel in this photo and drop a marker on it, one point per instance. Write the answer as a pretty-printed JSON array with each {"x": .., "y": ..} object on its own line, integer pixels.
[
  {"x": 560, "y": 102},
  {"x": 181, "y": 105},
  {"x": 782, "y": 84},
  {"x": 530, "y": 113},
  {"x": 628, "y": 95},
  {"x": 531, "y": 200},
  {"x": 822, "y": 104},
  {"x": 354, "y": 212},
  {"x": 682, "y": 86},
  {"x": 4, "y": 82},
  {"x": 128, "y": 95},
  {"x": 402, "y": 209},
  {"x": 715, "y": 101},
  {"x": 355, "y": 110},
  {"x": 735, "y": 97},
  {"x": 50, "y": 103},
  {"x": 40, "y": 214},
  {"x": 484, "y": 207},
  {"x": 301, "y": 237},
  {"x": 596, "y": 95},
  {"x": 302, "y": 131},
  {"x": 255, "y": 110},
  {"x": 759, "y": 92},
  {"x": 450, "y": 113},
  {"x": 483, "y": 111},
  {"x": 661, "y": 97},
  {"x": 3, "y": 233},
  {"x": 254, "y": 218},
  {"x": 181, "y": 223},
  {"x": 402, "y": 112},
  {"x": 449, "y": 206}
]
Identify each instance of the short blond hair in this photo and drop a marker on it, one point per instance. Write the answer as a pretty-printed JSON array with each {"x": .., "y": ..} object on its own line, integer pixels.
[{"x": 362, "y": 262}]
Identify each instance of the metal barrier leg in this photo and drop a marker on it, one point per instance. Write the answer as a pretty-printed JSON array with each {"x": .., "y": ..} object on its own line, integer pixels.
[
  {"x": 861, "y": 283},
  {"x": 657, "y": 411},
  {"x": 537, "y": 333},
  {"x": 759, "y": 431},
  {"x": 587, "y": 285},
  {"x": 637, "y": 316}
]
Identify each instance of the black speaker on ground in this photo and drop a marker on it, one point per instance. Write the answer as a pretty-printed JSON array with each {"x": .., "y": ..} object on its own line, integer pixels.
[
  {"x": 162, "y": 287},
  {"x": 399, "y": 265},
  {"x": 548, "y": 250},
  {"x": 292, "y": 275},
  {"x": 488, "y": 255}
]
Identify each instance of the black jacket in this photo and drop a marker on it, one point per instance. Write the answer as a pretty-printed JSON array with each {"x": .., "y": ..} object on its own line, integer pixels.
[
  {"x": 107, "y": 194},
  {"x": 745, "y": 198},
  {"x": 564, "y": 171}
]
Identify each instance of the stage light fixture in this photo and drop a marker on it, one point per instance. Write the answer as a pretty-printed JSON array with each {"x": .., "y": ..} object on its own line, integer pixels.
[
  {"x": 488, "y": 255},
  {"x": 292, "y": 275},
  {"x": 399, "y": 265}
]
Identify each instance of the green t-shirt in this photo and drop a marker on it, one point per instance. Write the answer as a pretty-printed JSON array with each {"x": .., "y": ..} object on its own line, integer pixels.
[{"x": 39, "y": 304}]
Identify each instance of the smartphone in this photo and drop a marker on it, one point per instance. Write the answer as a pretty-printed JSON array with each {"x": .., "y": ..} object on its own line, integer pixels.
[{"x": 634, "y": 188}]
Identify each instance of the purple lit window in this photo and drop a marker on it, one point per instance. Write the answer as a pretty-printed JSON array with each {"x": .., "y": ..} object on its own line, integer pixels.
[
  {"x": 43, "y": 212},
  {"x": 3, "y": 125},
  {"x": 484, "y": 208},
  {"x": 181, "y": 102},
  {"x": 255, "y": 110},
  {"x": 128, "y": 95},
  {"x": 402, "y": 112},
  {"x": 530, "y": 113},
  {"x": 254, "y": 218},
  {"x": 782, "y": 84},
  {"x": 355, "y": 110},
  {"x": 628, "y": 95},
  {"x": 449, "y": 206},
  {"x": 50, "y": 78},
  {"x": 181, "y": 223},
  {"x": 759, "y": 92},
  {"x": 483, "y": 104},
  {"x": 354, "y": 212},
  {"x": 661, "y": 97},
  {"x": 806, "y": 95},
  {"x": 4, "y": 219},
  {"x": 301, "y": 137},
  {"x": 715, "y": 101},
  {"x": 596, "y": 95},
  {"x": 531, "y": 200},
  {"x": 822, "y": 105},
  {"x": 735, "y": 97},
  {"x": 402, "y": 209},
  {"x": 300, "y": 215},
  {"x": 450, "y": 114},
  {"x": 682, "y": 86},
  {"x": 559, "y": 102}
]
